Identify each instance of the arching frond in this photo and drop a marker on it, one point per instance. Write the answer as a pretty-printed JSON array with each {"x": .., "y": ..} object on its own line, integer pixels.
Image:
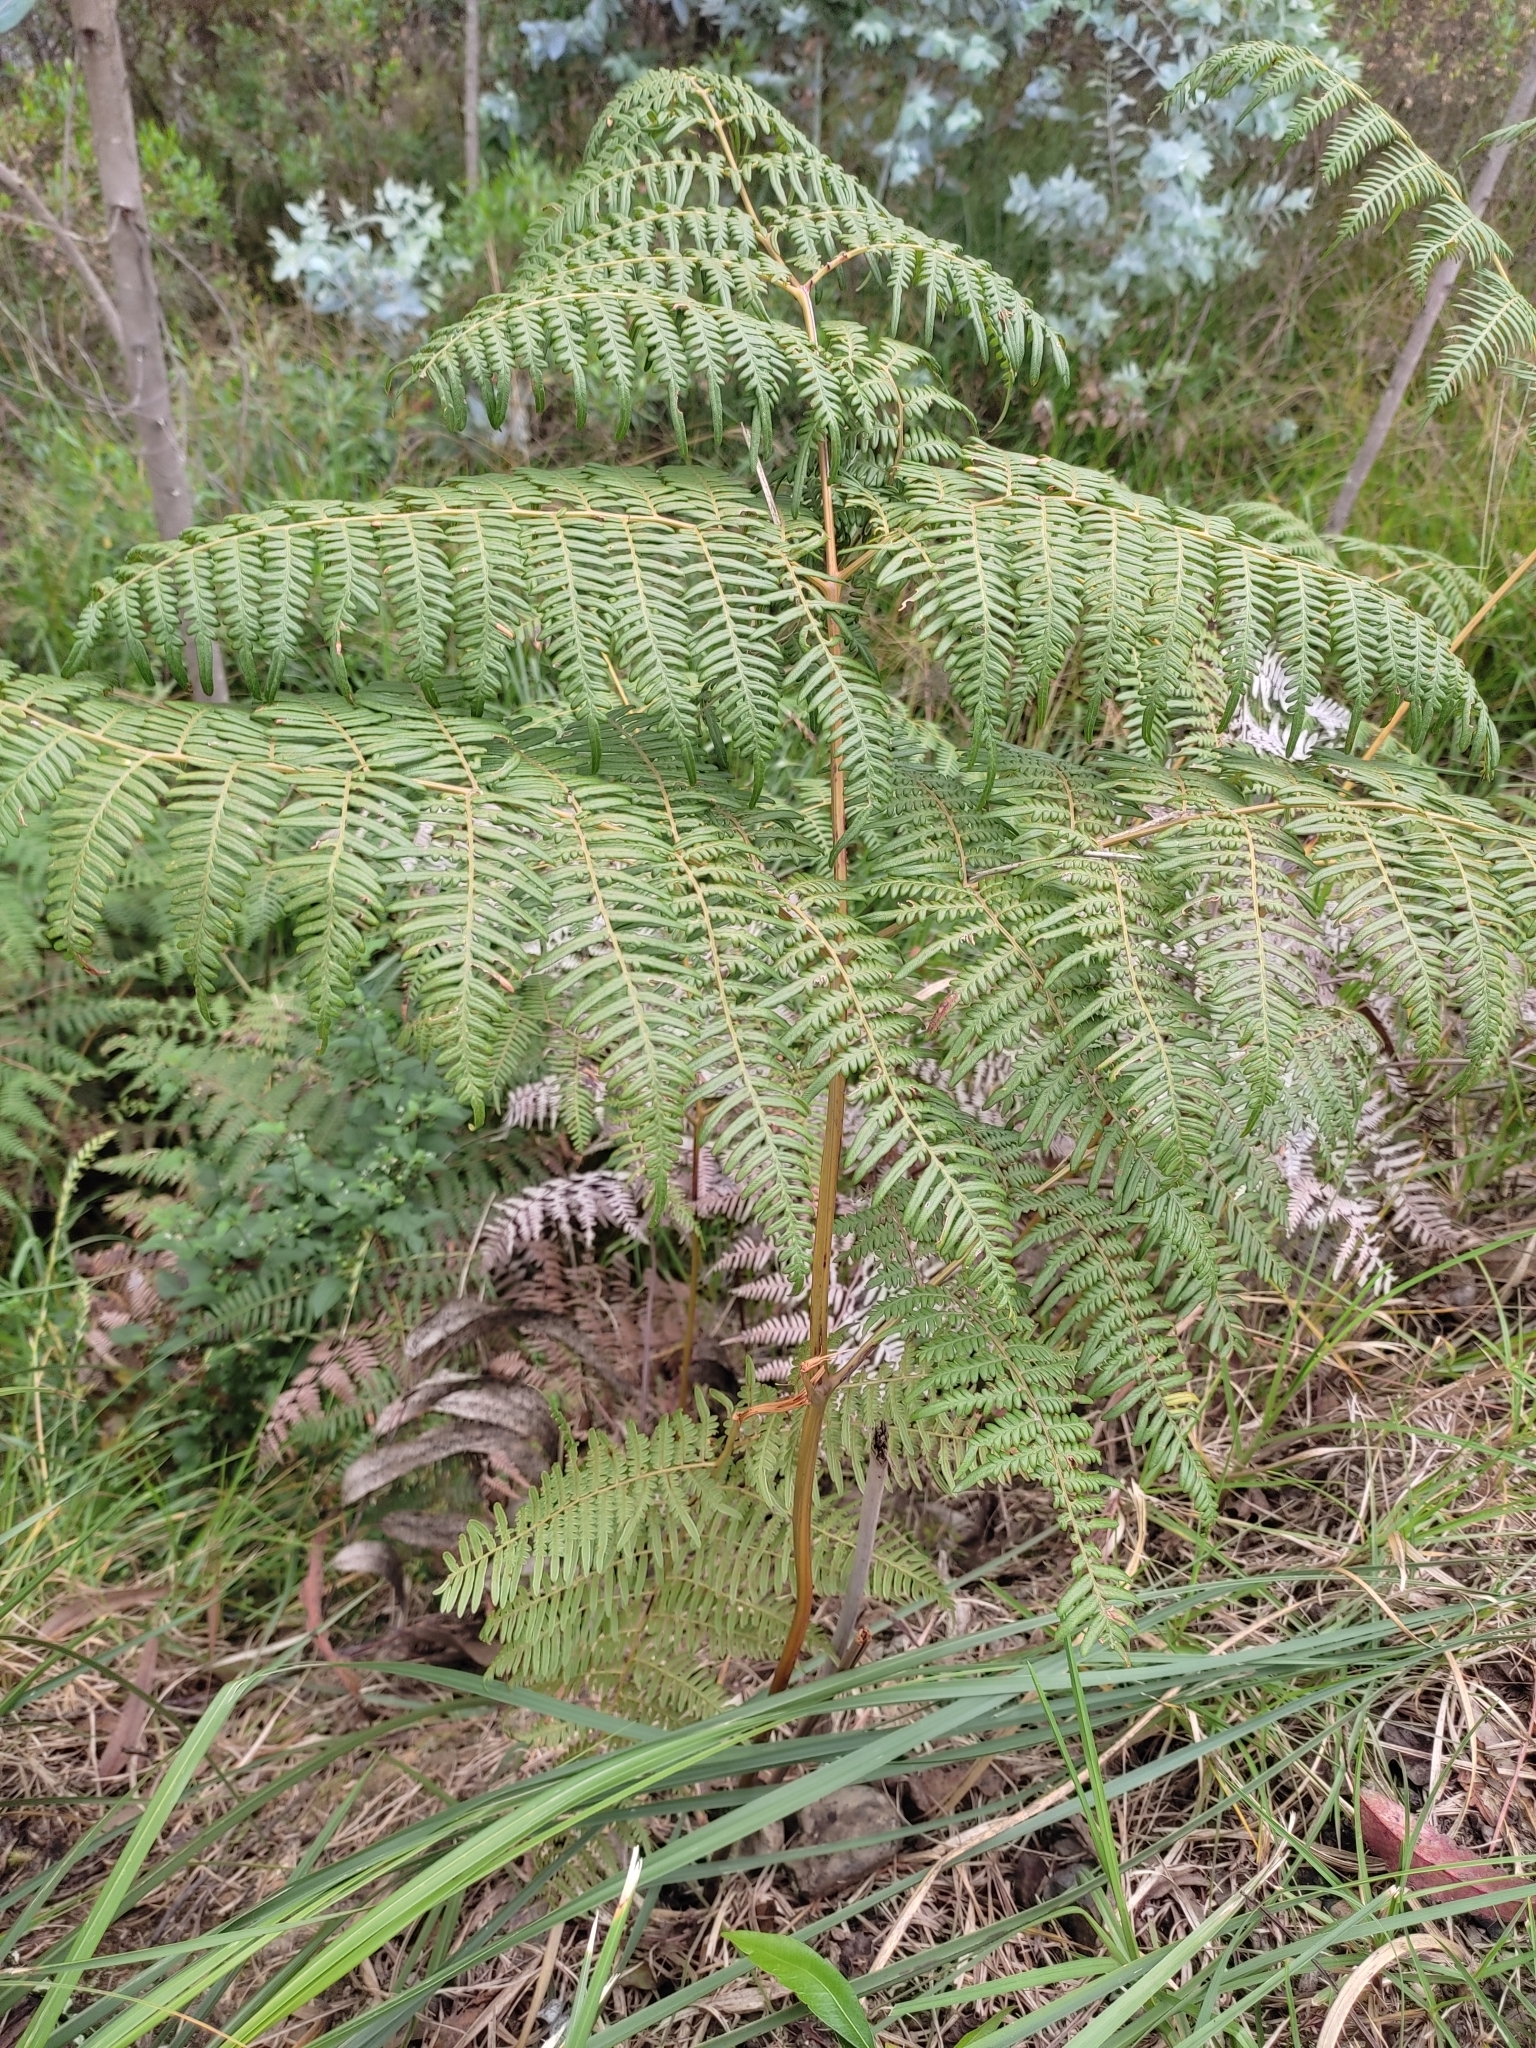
[
  {"x": 1011, "y": 559},
  {"x": 1497, "y": 328},
  {"x": 684, "y": 258}
]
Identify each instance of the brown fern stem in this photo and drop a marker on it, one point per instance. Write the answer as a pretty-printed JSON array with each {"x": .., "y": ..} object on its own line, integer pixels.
[
  {"x": 695, "y": 1264},
  {"x": 807, "y": 1467},
  {"x": 808, "y": 1459},
  {"x": 807, "y": 1462}
]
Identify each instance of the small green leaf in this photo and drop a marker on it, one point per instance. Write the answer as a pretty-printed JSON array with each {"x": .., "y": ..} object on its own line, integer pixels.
[
  {"x": 819, "y": 1985},
  {"x": 984, "y": 2032}
]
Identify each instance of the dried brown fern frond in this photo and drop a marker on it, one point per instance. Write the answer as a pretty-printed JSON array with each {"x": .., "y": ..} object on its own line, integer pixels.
[
  {"x": 125, "y": 1305},
  {"x": 507, "y": 1429},
  {"x": 533, "y": 1106},
  {"x": 569, "y": 1206},
  {"x": 349, "y": 1367},
  {"x": 480, "y": 1376}
]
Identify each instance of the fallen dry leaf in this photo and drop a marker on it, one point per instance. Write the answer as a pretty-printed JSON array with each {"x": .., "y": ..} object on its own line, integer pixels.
[
  {"x": 938, "y": 1792},
  {"x": 131, "y": 1722},
  {"x": 1364, "y": 1974},
  {"x": 74, "y": 1614},
  {"x": 1440, "y": 1868}
]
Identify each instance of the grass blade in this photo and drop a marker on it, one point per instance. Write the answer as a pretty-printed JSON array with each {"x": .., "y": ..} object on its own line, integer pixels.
[{"x": 151, "y": 1822}]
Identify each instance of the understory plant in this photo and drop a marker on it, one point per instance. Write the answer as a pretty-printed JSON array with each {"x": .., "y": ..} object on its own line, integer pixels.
[{"x": 972, "y": 879}]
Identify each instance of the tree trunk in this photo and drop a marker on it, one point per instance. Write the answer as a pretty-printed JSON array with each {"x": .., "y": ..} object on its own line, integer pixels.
[
  {"x": 138, "y": 302},
  {"x": 471, "y": 94},
  {"x": 137, "y": 299},
  {"x": 1441, "y": 285}
]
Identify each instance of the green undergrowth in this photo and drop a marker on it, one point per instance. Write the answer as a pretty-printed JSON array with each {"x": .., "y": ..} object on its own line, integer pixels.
[{"x": 1268, "y": 1678}]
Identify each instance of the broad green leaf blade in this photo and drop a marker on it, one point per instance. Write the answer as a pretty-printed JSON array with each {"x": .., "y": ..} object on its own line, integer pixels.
[{"x": 819, "y": 1985}]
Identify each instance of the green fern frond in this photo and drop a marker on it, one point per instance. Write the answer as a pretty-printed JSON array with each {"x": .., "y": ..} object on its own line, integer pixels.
[
  {"x": 624, "y": 578},
  {"x": 1251, "y": 928},
  {"x": 218, "y": 829},
  {"x": 1094, "y": 1289},
  {"x": 1498, "y": 325},
  {"x": 99, "y": 816},
  {"x": 1420, "y": 880},
  {"x": 613, "y": 761},
  {"x": 332, "y": 881},
  {"x": 1445, "y": 592},
  {"x": 1013, "y": 1400},
  {"x": 1135, "y": 583},
  {"x": 685, "y": 256},
  {"x": 646, "y": 1565}
]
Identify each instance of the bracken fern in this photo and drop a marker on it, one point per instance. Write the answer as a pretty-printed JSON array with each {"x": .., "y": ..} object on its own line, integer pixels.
[{"x": 1018, "y": 1037}]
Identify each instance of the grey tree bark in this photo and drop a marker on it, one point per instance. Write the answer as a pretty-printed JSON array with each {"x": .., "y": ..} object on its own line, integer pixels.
[
  {"x": 99, "y": 47},
  {"x": 471, "y": 94},
  {"x": 100, "y": 50},
  {"x": 1441, "y": 285}
]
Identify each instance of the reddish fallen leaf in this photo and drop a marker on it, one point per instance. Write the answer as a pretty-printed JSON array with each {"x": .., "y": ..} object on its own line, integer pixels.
[
  {"x": 312, "y": 1600},
  {"x": 69, "y": 1619},
  {"x": 1440, "y": 1868},
  {"x": 131, "y": 1722}
]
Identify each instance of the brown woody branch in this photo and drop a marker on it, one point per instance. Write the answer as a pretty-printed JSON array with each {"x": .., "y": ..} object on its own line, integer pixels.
[{"x": 68, "y": 245}]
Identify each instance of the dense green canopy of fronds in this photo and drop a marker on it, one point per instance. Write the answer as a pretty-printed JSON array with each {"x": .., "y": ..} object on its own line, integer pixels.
[{"x": 561, "y": 739}]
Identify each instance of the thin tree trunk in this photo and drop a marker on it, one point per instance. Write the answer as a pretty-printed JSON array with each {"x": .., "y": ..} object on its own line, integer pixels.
[
  {"x": 520, "y": 416},
  {"x": 137, "y": 299},
  {"x": 133, "y": 278},
  {"x": 1441, "y": 285},
  {"x": 471, "y": 94}
]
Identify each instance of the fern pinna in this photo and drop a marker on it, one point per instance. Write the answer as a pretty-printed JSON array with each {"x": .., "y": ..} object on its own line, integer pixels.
[{"x": 620, "y": 760}]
